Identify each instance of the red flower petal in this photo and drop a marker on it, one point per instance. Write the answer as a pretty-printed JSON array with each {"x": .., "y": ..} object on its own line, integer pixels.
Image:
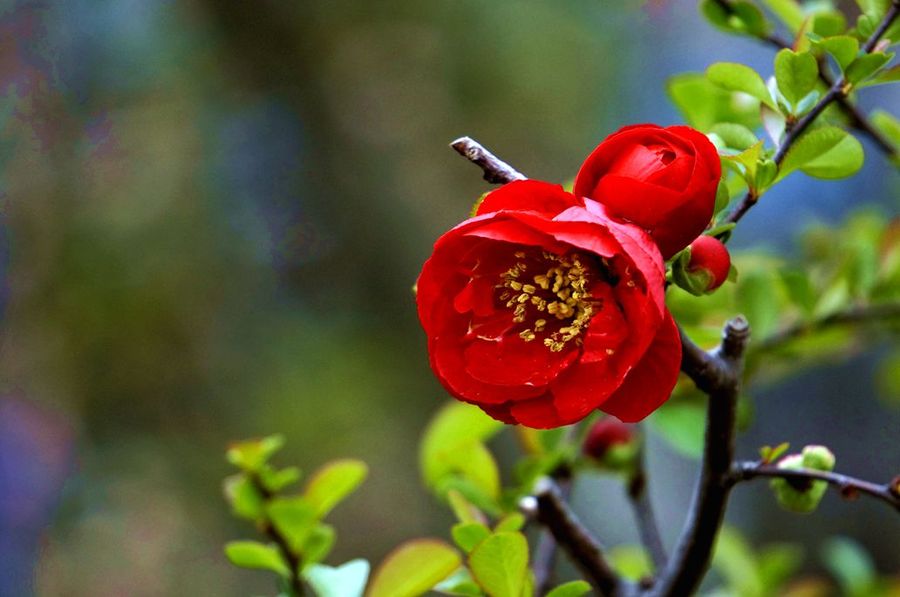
[
  {"x": 528, "y": 195},
  {"x": 649, "y": 384}
]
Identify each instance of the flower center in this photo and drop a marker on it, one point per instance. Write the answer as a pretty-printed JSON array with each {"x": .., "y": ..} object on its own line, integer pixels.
[{"x": 551, "y": 294}]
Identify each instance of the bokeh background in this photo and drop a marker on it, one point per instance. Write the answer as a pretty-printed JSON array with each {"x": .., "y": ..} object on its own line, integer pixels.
[{"x": 213, "y": 216}]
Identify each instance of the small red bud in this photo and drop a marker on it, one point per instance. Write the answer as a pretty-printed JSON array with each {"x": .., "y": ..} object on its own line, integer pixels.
[
  {"x": 710, "y": 256},
  {"x": 605, "y": 434}
]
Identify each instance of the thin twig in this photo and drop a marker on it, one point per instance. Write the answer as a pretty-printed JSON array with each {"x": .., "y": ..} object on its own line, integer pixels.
[
  {"x": 269, "y": 529},
  {"x": 693, "y": 552},
  {"x": 586, "y": 553},
  {"x": 857, "y": 119},
  {"x": 496, "y": 171},
  {"x": 545, "y": 553},
  {"x": 856, "y": 314},
  {"x": 849, "y": 487},
  {"x": 639, "y": 496}
]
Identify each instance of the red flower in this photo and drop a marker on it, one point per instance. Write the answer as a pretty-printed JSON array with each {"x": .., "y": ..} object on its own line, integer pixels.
[
  {"x": 662, "y": 179},
  {"x": 542, "y": 308},
  {"x": 603, "y": 435}
]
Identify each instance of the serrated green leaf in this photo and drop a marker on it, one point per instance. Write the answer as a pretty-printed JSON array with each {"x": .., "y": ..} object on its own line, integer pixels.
[
  {"x": 576, "y": 588},
  {"x": 334, "y": 482},
  {"x": 245, "y": 499},
  {"x": 251, "y": 554},
  {"x": 825, "y": 152},
  {"x": 844, "y": 48},
  {"x": 703, "y": 104},
  {"x": 796, "y": 74},
  {"x": 250, "y": 455},
  {"x": 467, "y": 535},
  {"x": 346, "y": 580},
  {"x": 865, "y": 66},
  {"x": 294, "y": 518},
  {"x": 732, "y": 76},
  {"x": 413, "y": 568},
  {"x": 452, "y": 447},
  {"x": 500, "y": 563}
]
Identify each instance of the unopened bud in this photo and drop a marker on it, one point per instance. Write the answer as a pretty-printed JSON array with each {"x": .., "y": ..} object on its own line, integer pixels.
[
  {"x": 703, "y": 267},
  {"x": 611, "y": 443},
  {"x": 803, "y": 495}
]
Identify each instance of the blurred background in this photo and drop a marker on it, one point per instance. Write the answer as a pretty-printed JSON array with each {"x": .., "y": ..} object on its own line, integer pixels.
[{"x": 213, "y": 216}]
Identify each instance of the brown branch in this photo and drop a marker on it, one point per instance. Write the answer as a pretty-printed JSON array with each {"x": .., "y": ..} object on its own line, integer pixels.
[
  {"x": 857, "y": 119},
  {"x": 850, "y": 488},
  {"x": 545, "y": 553},
  {"x": 857, "y": 314},
  {"x": 639, "y": 496},
  {"x": 496, "y": 171},
  {"x": 693, "y": 552},
  {"x": 586, "y": 553}
]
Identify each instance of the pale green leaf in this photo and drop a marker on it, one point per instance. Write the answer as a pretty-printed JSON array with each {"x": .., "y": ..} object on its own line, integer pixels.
[
  {"x": 789, "y": 11},
  {"x": 888, "y": 75},
  {"x": 252, "y": 454},
  {"x": 703, "y": 104},
  {"x": 825, "y": 152},
  {"x": 413, "y": 568},
  {"x": 246, "y": 501},
  {"x": 681, "y": 424},
  {"x": 467, "y": 535},
  {"x": 732, "y": 76},
  {"x": 844, "y": 48},
  {"x": 347, "y": 580},
  {"x": 294, "y": 518},
  {"x": 318, "y": 544},
  {"x": 500, "y": 563},
  {"x": 251, "y": 554},
  {"x": 865, "y": 66},
  {"x": 736, "y": 136},
  {"x": 576, "y": 588},
  {"x": 333, "y": 482}
]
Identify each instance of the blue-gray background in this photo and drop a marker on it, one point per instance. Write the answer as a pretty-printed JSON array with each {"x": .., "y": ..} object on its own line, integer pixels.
[{"x": 214, "y": 212}]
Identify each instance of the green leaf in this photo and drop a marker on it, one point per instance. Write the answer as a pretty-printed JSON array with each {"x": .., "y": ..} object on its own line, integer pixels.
[
  {"x": 756, "y": 294},
  {"x": 887, "y": 124},
  {"x": 511, "y": 522},
  {"x": 703, "y": 104},
  {"x": 796, "y": 74},
  {"x": 463, "y": 509},
  {"x": 452, "y": 447},
  {"x": 829, "y": 23},
  {"x": 413, "y": 568},
  {"x": 333, "y": 482},
  {"x": 318, "y": 544},
  {"x": 681, "y": 424},
  {"x": 825, "y": 152},
  {"x": 738, "y": 77},
  {"x": 459, "y": 583},
  {"x": 735, "y": 561},
  {"x": 294, "y": 518},
  {"x": 576, "y": 588},
  {"x": 776, "y": 565},
  {"x": 850, "y": 564},
  {"x": 245, "y": 499},
  {"x": 865, "y": 66},
  {"x": 347, "y": 580},
  {"x": 749, "y": 159},
  {"x": 736, "y": 136},
  {"x": 250, "y": 455},
  {"x": 499, "y": 564},
  {"x": 789, "y": 11},
  {"x": 251, "y": 554},
  {"x": 276, "y": 480},
  {"x": 888, "y": 75},
  {"x": 844, "y": 48},
  {"x": 467, "y": 535},
  {"x": 631, "y": 561},
  {"x": 743, "y": 18}
]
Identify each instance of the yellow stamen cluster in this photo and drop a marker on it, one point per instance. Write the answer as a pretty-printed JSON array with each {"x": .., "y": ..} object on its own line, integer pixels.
[{"x": 561, "y": 292}]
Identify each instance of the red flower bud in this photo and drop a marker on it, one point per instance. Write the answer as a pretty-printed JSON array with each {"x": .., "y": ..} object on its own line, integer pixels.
[
  {"x": 662, "y": 179},
  {"x": 605, "y": 434},
  {"x": 709, "y": 258}
]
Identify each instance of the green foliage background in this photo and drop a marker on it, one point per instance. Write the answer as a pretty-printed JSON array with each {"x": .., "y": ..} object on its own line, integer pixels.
[{"x": 216, "y": 211}]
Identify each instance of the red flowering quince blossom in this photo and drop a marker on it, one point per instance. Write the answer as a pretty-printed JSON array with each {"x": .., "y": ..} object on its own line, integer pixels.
[
  {"x": 661, "y": 179},
  {"x": 542, "y": 308}
]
